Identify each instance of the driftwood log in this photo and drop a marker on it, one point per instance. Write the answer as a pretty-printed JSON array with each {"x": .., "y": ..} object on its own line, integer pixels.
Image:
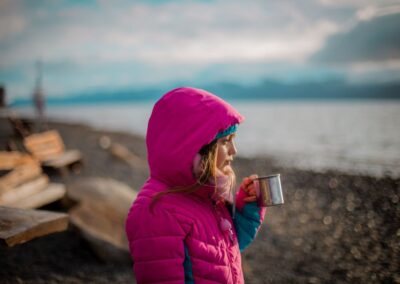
[
  {"x": 100, "y": 214},
  {"x": 123, "y": 153}
]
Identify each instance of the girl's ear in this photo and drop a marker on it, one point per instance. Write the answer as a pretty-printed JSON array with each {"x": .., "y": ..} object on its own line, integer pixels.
[{"x": 197, "y": 165}]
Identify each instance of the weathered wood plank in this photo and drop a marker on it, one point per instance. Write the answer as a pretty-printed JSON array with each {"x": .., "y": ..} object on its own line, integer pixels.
[
  {"x": 67, "y": 158},
  {"x": 24, "y": 191},
  {"x": 12, "y": 159},
  {"x": 53, "y": 192},
  {"x": 49, "y": 148},
  {"x": 20, "y": 225},
  {"x": 45, "y": 145},
  {"x": 21, "y": 174}
]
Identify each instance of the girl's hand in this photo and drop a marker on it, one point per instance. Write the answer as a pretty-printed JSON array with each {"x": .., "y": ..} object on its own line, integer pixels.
[{"x": 249, "y": 189}]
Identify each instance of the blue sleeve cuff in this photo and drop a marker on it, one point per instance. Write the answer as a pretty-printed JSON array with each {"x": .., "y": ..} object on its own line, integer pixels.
[{"x": 247, "y": 223}]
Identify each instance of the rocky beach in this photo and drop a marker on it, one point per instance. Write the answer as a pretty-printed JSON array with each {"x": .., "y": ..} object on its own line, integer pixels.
[{"x": 333, "y": 228}]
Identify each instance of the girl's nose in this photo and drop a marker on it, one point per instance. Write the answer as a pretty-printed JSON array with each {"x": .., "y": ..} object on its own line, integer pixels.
[{"x": 232, "y": 148}]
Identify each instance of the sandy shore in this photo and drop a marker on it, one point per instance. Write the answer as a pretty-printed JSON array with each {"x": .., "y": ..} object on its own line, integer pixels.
[{"x": 333, "y": 228}]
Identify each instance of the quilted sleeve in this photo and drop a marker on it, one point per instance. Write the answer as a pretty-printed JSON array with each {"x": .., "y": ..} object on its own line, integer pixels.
[
  {"x": 247, "y": 221},
  {"x": 157, "y": 246}
]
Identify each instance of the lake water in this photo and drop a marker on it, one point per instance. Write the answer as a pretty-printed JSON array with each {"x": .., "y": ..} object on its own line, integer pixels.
[{"x": 356, "y": 136}]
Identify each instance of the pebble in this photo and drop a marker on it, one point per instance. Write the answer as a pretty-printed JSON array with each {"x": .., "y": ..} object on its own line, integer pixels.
[
  {"x": 357, "y": 228},
  {"x": 311, "y": 204},
  {"x": 333, "y": 183},
  {"x": 350, "y": 206},
  {"x": 386, "y": 206},
  {"x": 327, "y": 220},
  {"x": 298, "y": 241},
  {"x": 371, "y": 224},
  {"x": 335, "y": 205},
  {"x": 304, "y": 218},
  {"x": 356, "y": 252},
  {"x": 299, "y": 194},
  {"x": 314, "y": 280}
]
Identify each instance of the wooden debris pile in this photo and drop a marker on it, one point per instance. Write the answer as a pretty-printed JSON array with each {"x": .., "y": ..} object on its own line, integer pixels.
[
  {"x": 25, "y": 185},
  {"x": 97, "y": 207},
  {"x": 47, "y": 147}
]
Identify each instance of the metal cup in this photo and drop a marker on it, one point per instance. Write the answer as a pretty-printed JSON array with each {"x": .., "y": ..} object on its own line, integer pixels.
[{"x": 269, "y": 190}]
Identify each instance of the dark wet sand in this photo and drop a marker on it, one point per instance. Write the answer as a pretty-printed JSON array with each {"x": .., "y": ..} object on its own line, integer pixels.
[{"x": 333, "y": 228}]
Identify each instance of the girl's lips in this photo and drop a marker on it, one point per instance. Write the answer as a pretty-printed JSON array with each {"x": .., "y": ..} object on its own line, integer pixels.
[{"x": 227, "y": 165}]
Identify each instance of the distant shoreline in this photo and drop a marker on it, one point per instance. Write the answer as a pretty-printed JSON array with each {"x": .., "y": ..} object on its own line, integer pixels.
[
  {"x": 328, "y": 90},
  {"x": 103, "y": 101},
  {"x": 375, "y": 166},
  {"x": 275, "y": 162}
]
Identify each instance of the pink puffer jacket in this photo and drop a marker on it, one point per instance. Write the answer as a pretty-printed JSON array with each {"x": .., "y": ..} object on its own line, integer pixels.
[{"x": 180, "y": 240}]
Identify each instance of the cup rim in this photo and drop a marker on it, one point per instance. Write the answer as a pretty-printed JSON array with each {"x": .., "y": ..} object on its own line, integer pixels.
[{"x": 269, "y": 176}]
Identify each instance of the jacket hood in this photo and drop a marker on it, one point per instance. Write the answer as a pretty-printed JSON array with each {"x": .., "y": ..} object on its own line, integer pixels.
[{"x": 182, "y": 121}]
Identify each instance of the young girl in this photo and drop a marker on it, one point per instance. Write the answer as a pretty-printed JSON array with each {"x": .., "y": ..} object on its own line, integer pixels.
[{"x": 188, "y": 224}]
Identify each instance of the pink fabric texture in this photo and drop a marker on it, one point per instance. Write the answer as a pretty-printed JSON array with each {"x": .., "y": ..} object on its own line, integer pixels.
[
  {"x": 182, "y": 121},
  {"x": 240, "y": 199}
]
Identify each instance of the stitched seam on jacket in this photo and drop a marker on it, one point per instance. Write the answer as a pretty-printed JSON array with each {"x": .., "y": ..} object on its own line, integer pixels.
[
  {"x": 208, "y": 279},
  {"x": 158, "y": 260},
  {"x": 162, "y": 281},
  {"x": 213, "y": 263},
  {"x": 203, "y": 242},
  {"x": 156, "y": 237},
  {"x": 178, "y": 213},
  {"x": 180, "y": 222}
]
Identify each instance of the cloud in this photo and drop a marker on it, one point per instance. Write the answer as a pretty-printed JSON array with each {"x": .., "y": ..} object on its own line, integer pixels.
[
  {"x": 11, "y": 20},
  {"x": 370, "y": 11},
  {"x": 90, "y": 44},
  {"x": 174, "y": 31},
  {"x": 356, "y": 3},
  {"x": 374, "y": 40},
  {"x": 372, "y": 71}
]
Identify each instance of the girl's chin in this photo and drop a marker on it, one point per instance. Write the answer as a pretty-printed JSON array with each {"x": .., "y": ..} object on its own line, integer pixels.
[{"x": 226, "y": 169}]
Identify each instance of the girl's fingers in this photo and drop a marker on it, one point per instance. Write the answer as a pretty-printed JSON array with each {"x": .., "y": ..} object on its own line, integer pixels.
[
  {"x": 252, "y": 177},
  {"x": 252, "y": 191},
  {"x": 248, "y": 181},
  {"x": 251, "y": 186},
  {"x": 245, "y": 185},
  {"x": 250, "y": 199}
]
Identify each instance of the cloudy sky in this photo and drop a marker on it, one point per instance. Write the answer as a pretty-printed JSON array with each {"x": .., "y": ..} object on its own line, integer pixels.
[{"x": 90, "y": 45}]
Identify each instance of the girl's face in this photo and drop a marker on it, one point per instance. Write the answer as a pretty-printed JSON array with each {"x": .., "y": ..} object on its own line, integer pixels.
[{"x": 226, "y": 149}]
